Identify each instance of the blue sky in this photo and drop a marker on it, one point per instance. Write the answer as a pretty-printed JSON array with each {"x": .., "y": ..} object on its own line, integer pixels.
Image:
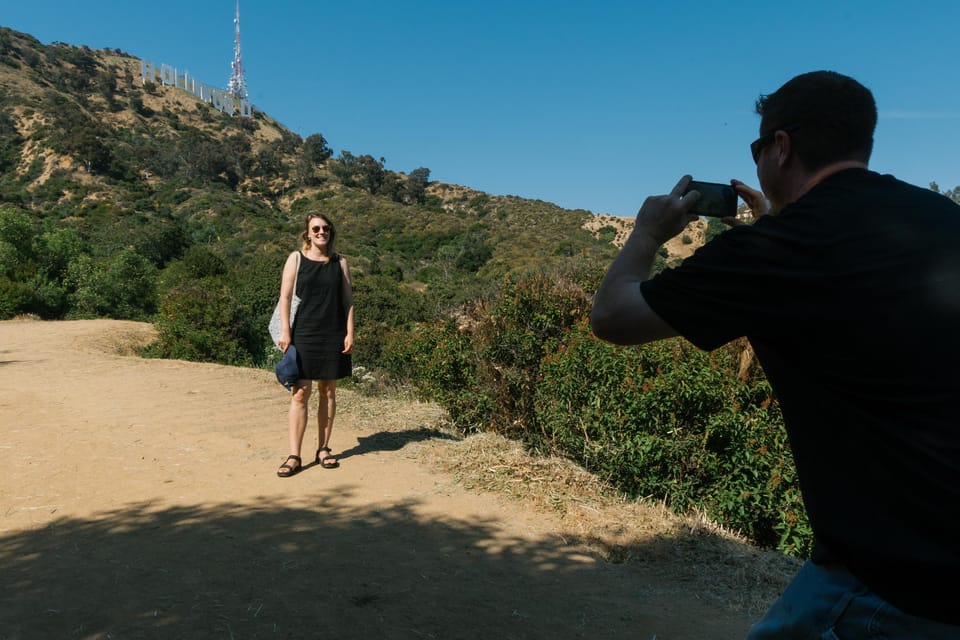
[{"x": 589, "y": 104}]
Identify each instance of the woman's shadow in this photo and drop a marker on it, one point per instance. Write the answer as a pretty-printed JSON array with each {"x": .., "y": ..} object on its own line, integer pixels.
[{"x": 392, "y": 441}]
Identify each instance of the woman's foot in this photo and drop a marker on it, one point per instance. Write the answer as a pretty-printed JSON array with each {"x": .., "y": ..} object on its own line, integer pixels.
[
  {"x": 286, "y": 469},
  {"x": 327, "y": 461}
]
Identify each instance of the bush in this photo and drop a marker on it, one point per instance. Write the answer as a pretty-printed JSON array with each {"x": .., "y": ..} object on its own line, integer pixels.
[
  {"x": 440, "y": 360},
  {"x": 483, "y": 367},
  {"x": 381, "y": 305},
  {"x": 671, "y": 421},
  {"x": 255, "y": 283},
  {"x": 665, "y": 420},
  {"x": 14, "y": 297},
  {"x": 203, "y": 322},
  {"x": 522, "y": 327},
  {"x": 123, "y": 287}
]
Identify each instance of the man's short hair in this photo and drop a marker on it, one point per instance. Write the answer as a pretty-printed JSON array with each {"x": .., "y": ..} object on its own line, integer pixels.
[{"x": 831, "y": 117}]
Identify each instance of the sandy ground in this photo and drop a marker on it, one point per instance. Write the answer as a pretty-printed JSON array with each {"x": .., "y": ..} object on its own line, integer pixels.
[{"x": 139, "y": 499}]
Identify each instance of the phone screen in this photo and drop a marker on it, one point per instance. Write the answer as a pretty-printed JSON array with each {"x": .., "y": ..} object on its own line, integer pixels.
[{"x": 716, "y": 199}]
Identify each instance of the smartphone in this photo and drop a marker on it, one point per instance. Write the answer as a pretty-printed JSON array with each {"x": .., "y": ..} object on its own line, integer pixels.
[{"x": 716, "y": 199}]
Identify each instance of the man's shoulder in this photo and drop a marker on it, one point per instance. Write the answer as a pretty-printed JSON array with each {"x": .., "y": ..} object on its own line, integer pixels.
[{"x": 858, "y": 182}]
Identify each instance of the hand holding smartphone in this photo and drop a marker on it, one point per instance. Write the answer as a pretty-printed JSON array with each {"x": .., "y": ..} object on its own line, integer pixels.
[{"x": 716, "y": 199}]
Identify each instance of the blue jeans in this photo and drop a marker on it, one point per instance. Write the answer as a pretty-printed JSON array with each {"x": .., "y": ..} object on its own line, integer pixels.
[{"x": 827, "y": 603}]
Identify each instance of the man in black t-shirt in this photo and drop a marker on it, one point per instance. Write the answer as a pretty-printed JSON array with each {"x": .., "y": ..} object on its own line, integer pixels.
[{"x": 850, "y": 296}]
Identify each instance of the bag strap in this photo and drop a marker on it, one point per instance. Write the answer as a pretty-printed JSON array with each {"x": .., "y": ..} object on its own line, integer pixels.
[{"x": 296, "y": 274}]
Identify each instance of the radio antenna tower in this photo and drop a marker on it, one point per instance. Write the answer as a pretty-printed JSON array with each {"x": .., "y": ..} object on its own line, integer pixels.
[{"x": 237, "y": 86}]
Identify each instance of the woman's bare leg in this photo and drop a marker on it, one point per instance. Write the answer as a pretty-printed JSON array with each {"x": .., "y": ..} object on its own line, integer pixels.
[
  {"x": 326, "y": 411},
  {"x": 297, "y": 414}
]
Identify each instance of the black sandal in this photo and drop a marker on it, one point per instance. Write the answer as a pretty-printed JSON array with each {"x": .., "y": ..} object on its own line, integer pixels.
[
  {"x": 327, "y": 462},
  {"x": 290, "y": 471}
]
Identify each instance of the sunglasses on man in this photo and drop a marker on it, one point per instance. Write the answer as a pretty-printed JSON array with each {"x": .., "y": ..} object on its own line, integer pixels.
[{"x": 761, "y": 143}]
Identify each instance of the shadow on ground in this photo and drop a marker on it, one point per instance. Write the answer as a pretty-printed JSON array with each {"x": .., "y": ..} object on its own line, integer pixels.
[
  {"x": 392, "y": 441},
  {"x": 269, "y": 571}
]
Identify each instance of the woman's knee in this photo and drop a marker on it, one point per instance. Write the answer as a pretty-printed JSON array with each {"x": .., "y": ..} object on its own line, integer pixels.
[
  {"x": 327, "y": 389},
  {"x": 301, "y": 393}
]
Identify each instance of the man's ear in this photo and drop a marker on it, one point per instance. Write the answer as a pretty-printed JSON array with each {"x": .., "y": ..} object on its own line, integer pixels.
[{"x": 784, "y": 146}]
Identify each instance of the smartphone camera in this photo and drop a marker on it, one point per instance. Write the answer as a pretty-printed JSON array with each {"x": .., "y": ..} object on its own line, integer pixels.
[{"x": 716, "y": 199}]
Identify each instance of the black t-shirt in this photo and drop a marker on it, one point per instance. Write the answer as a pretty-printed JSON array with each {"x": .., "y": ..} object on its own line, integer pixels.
[{"x": 851, "y": 300}]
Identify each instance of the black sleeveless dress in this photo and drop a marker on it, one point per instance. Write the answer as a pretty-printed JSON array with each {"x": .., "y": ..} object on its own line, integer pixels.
[{"x": 321, "y": 321}]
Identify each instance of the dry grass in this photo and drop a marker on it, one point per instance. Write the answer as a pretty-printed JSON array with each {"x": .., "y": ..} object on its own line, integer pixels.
[
  {"x": 126, "y": 338},
  {"x": 693, "y": 549}
]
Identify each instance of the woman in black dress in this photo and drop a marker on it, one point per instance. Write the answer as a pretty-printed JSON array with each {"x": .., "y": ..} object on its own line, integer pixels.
[{"x": 322, "y": 332}]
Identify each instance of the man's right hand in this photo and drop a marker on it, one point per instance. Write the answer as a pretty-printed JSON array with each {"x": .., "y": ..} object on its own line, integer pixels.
[{"x": 663, "y": 217}]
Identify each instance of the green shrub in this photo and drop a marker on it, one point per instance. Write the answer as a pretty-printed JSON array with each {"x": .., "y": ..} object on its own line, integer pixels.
[
  {"x": 441, "y": 361},
  {"x": 14, "y": 297},
  {"x": 483, "y": 367},
  {"x": 664, "y": 420},
  {"x": 17, "y": 234},
  {"x": 122, "y": 287},
  {"x": 520, "y": 328},
  {"x": 381, "y": 305},
  {"x": 202, "y": 321},
  {"x": 671, "y": 421},
  {"x": 255, "y": 283}
]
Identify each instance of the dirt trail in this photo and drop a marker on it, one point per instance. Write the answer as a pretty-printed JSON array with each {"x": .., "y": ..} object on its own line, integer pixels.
[{"x": 139, "y": 500}]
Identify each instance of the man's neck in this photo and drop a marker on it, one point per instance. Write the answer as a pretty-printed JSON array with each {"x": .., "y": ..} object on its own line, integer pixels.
[{"x": 818, "y": 176}]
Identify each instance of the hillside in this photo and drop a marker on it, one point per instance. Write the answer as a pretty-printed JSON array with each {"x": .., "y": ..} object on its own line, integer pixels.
[
  {"x": 85, "y": 142},
  {"x": 678, "y": 248},
  {"x": 121, "y": 197}
]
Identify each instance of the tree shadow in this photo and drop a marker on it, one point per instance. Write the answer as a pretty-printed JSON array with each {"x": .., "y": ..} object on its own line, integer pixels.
[{"x": 265, "y": 570}]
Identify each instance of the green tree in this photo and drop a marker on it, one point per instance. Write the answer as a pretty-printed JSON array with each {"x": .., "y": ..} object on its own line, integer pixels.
[
  {"x": 33, "y": 265},
  {"x": 474, "y": 253},
  {"x": 266, "y": 163},
  {"x": 57, "y": 250},
  {"x": 313, "y": 153},
  {"x": 160, "y": 242},
  {"x": 122, "y": 287},
  {"x": 198, "y": 262},
  {"x": 315, "y": 149},
  {"x": 345, "y": 167},
  {"x": 106, "y": 82},
  {"x": 953, "y": 194},
  {"x": 255, "y": 282},
  {"x": 371, "y": 174},
  {"x": 202, "y": 158},
  {"x": 237, "y": 149},
  {"x": 416, "y": 185},
  {"x": 17, "y": 234},
  {"x": 363, "y": 171}
]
